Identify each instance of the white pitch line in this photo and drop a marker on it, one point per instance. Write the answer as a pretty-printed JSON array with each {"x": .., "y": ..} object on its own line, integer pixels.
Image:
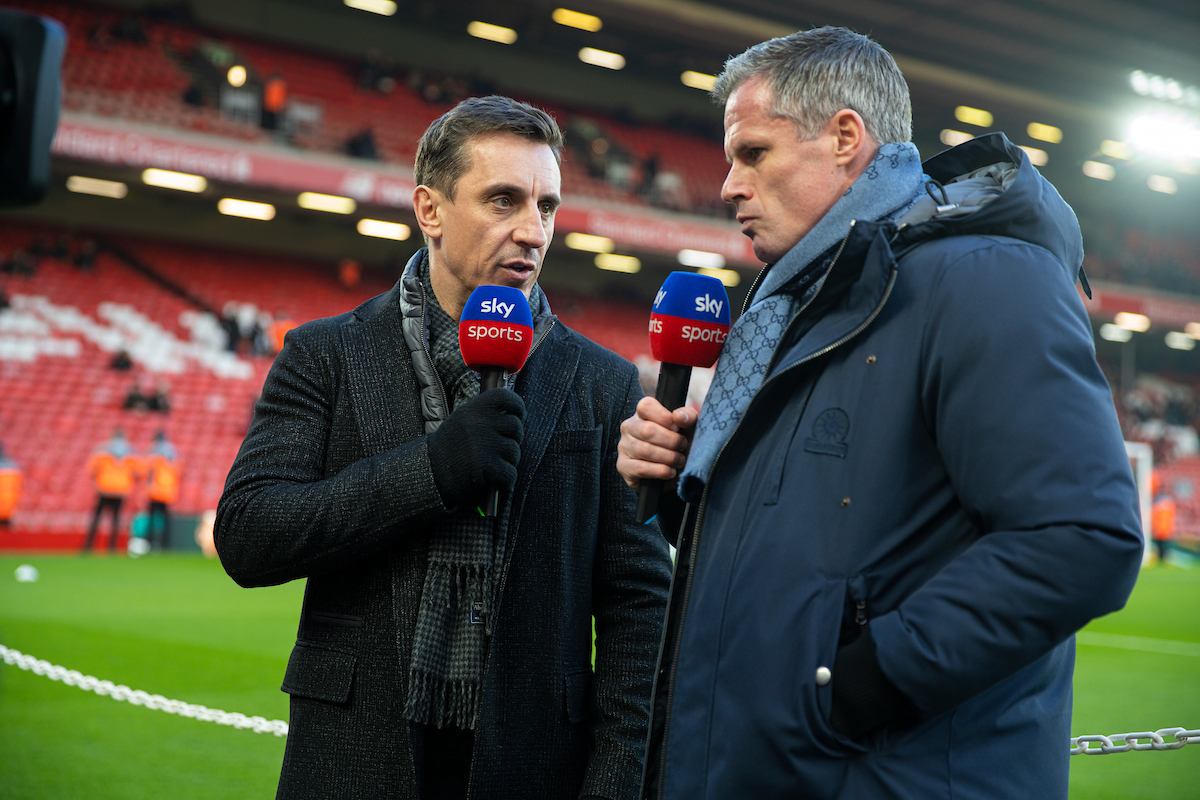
[{"x": 1143, "y": 643}]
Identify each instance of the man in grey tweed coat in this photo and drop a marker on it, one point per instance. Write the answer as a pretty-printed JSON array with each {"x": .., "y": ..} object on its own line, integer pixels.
[{"x": 442, "y": 654}]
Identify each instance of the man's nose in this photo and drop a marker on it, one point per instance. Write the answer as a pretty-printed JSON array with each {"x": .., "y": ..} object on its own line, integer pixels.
[
  {"x": 531, "y": 230},
  {"x": 734, "y": 188}
]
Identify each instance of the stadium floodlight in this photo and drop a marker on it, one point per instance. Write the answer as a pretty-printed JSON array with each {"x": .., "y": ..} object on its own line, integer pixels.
[
  {"x": 397, "y": 231},
  {"x": 1115, "y": 333},
  {"x": 384, "y": 7},
  {"x": 1132, "y": 322},
  {"x": 236, "y": 76},
  {"x": 332, "y": 203},
  {"x": 1168, "y": 135},
  {"x": 1162, "y": 184},
  {"x": 577, "y": 19},
  {"x": 1044, "y": 133},
  {"x": 1099, "y": 170},
  {"x": 96, "y": 186},
  {"x": 616, "y": 263},
  {"x": 602, "y": 58},
  {"x": 700, "y": 259},
  {"x": 1115, "y": 150},
  {"x": 1180, "y": 341},
  {"x": 589, "y": 242},
  {"x": 247, "y": 209},
  {"x": 954, "y": 138},
  {"x": 729, "y": 277},
  {"x": 1039, "y": 158},
  {"x": 492, "y": 33},
  {"x": 169, "y": 179},
  {"x": 973, "y": 116},
  {"x": 698, "y": 80}
]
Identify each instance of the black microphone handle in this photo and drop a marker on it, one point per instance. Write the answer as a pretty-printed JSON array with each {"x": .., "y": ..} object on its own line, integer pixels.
[
  {"x": 491, "y": 378},
  {"x": 673, "y": 380}
]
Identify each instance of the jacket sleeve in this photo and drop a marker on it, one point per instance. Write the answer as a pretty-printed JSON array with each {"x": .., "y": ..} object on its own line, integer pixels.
[
  {"x": 283, "y": 515},
  {"x": 1025, "y": 424},
  {"x": 631, "y": 576}
]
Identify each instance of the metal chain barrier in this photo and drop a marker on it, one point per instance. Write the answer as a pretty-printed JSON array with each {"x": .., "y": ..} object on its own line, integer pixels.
[
  {"x": 1133, "y": 741},
  {"x": 1116, "y": 743},
  {"x": 139, "y": 698}
]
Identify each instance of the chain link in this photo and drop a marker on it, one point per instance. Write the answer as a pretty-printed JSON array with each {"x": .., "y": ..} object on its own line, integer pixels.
[
  {"x": 1116, "y": 743},
  {"x": 137, "y": 697}
]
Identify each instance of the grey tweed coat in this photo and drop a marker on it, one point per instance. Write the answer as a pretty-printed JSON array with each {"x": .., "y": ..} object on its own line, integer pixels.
[{"x": 333, "y": 484}]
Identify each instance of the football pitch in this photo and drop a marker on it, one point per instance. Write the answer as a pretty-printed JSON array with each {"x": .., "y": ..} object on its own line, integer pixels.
[{"x": 176, "y": 626}]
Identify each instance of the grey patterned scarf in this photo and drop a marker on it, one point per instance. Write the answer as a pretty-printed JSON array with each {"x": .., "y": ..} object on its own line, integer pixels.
[
  {"x": 460, "y": 594},
  {"x": 459, "y": 597},
  {"x": 889, "y": 185}
]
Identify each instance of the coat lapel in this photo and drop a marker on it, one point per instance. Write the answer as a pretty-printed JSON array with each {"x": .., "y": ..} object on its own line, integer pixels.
[
  {"x": 544, "y": 384},
  {"x": 379, "y": 376}
]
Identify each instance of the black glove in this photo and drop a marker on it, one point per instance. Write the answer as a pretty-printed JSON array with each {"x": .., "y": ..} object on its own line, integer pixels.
[{"x": 478, "y": 446}]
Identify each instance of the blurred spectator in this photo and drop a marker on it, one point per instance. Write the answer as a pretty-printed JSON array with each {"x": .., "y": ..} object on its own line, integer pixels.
[
  {"x": 376, "y": 72},
  {"x": 85, "y": 259},
  {"x": 362, "y": 145},
  {"x": 121, "y": 361},
  {"x": 274, "y": 101},
  {"x": 161, "y": 399},
  {"x": 137, "y": 398},
  {"x": 113, "y": 468},
  {"x": 12, "y": 481},
  {"x": 1162, "y": 516},
  {"x": 279, "y": 328},
  {"x": 21, "y": 263},
  {"x": 162, "y": 488},
  {"x": 349, "y": 272},
  {"x": 229, "y": 323}
]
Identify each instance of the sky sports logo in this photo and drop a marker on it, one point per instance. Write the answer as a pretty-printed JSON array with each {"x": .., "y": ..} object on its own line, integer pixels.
[
  {"x": 693, "y": 333},
  {"x": 510, "y": 333}
]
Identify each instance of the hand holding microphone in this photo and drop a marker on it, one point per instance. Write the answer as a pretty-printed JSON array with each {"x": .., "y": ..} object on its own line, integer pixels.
[
  {"x": 688, "y": 325},
  {"x": 479, "y": 444}
]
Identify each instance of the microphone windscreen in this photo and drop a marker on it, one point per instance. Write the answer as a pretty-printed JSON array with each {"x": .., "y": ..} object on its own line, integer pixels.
[
  {"x": 690, "y": 320},
  {"x": 496, "y": 328}
]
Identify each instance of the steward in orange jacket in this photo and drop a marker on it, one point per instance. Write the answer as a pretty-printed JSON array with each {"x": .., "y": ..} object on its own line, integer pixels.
[
  {"x": 162, "y": 487},
  {"x": 12, "y": 480},
  {"x": 113, "y": 468}
]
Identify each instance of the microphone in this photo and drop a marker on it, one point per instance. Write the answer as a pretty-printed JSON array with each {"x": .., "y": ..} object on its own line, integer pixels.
[
  {"x": 495, "y": 333},
  {"x": 688, "y": 325}
]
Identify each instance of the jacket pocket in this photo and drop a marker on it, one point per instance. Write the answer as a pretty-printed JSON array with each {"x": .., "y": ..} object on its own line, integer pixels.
[
  {"x": 842, "y": 610},
  {"x": 577, "y": 688},
  {"x": 586, "y": 440},
  {"x": 319, "y": 672}
]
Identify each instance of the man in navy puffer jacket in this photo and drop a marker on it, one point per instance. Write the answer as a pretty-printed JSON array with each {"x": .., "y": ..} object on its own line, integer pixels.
[{"x": 907, "y": 487}]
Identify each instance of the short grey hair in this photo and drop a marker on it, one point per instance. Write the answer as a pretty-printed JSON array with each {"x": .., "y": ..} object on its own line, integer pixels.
[
  {"x": 442, "y": 154},
  {"x": 816, "y": 73}
]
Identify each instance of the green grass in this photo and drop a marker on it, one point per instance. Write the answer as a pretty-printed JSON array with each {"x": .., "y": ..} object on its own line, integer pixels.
[{"x": 177, "y": 626}]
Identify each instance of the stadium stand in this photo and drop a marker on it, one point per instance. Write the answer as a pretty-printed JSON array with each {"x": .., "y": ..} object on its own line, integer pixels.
[
  {"x": 147, "y": 81},
  {"x": 160, "y": 301}
]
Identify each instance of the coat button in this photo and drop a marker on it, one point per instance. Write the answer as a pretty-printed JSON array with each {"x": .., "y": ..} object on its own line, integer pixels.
[
  {"x": 870, "y": 359},
  {"x": 845, "y": 502},
  {"x": 823, "y": 676}
]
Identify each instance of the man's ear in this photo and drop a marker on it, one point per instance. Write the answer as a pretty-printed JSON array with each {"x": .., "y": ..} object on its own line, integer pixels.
[
  {"x": 850, "y": 136},
  {"x": 427, "y": 207}
]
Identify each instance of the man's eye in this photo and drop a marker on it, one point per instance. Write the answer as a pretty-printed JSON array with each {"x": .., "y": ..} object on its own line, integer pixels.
[
  {"x": 503, "y": 202},
  {"x": 548, "y": 208}
]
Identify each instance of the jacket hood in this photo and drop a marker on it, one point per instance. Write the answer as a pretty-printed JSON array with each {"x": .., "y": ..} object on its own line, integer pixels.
[{"x": 989, "y": 187}]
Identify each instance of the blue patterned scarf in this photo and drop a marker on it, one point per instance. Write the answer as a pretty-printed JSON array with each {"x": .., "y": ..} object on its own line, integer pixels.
[{"x": 887, "y": 187}]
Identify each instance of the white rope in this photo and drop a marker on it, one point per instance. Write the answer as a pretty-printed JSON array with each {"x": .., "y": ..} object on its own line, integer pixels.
[
  {"x": 139, "y": 698},
  {"x": 1144, "y": 740}
]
